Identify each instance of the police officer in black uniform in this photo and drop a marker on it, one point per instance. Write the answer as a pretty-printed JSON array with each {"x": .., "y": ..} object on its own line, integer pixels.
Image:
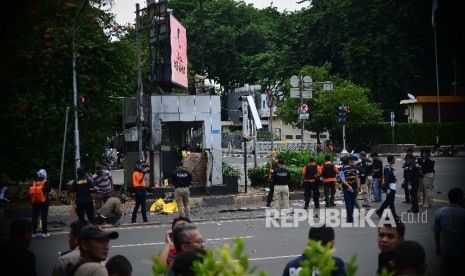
[
  {"x": 181, "y": 180},
  {"x": 83, "y": 186}
]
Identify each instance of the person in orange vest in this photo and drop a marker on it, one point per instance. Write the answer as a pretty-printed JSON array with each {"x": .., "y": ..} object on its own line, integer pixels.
[
  {"x": 329, "y": 172},
  {"x": 40, "y": 206},
  {"x": 138, "y": 181},
  {"x": 310, "y": 183}
]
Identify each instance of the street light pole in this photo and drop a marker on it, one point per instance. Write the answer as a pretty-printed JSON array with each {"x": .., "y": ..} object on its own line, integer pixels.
[{"x": 77, "y": 154}]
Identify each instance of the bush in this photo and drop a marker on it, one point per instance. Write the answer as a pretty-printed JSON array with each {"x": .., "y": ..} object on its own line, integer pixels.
[
  {"x": 258, "y": 176},
  {"x": 233, "y": 262}
]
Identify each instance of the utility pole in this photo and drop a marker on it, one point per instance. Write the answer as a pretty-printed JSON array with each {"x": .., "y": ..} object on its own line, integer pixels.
[
  {"x": 140, "y": 90},
  {"x": 77, "y": 151}
]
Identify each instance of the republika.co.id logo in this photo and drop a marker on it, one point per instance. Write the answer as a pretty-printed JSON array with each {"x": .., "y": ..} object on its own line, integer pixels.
[{"x": 333, "y": 217}]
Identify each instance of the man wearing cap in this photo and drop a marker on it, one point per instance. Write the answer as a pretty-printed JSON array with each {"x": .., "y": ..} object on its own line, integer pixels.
[
  {"x": 94, "y": 242},
  {"x": 377, "y": 176},
  {"x": 329, "y": 172},
  {"x": 94, "y": 247},
  {"x": 111, "y": 211}
]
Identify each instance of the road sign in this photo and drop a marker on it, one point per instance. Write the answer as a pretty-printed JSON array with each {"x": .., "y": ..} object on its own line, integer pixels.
[
  {"x": 303, "y": 109},
  {"x": 307, "y": 94},
  {"x": 303, "y": 116},
  {"x": 295, "y": 81},
  {"x": 295, "y": 92}
]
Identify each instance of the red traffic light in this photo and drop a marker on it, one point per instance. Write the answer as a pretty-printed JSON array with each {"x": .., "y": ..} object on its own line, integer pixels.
[
  {"x": 83, "y": 99},
  {"x": 347, "y": 109}
]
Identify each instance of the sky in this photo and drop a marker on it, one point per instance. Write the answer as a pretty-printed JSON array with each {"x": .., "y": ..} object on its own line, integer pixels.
[{"x": 125, "y": 9}]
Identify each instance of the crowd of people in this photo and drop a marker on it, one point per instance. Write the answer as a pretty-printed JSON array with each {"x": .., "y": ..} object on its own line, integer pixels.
[{"x": 89, "y": 243}]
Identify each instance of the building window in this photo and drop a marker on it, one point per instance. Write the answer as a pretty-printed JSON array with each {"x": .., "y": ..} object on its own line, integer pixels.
[
  {"x": 290, "y": 137},
  {"x": 298, "y": 137}
]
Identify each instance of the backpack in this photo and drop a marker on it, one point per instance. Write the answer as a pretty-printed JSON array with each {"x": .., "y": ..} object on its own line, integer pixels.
[{"x": 36, "y": 192}]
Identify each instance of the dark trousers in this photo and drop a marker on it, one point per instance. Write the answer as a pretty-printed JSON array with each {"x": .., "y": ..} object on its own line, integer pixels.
[
  {"x": 269, "y": 198},
  {"x": 330, "y": 191},
  {"x": 414, "y": 195},
  {"x": 310, "y": 188},
  {"x": 406, "y": 191},
  {"x": 42, "y": 209},
  {"x": 349, "y": 199},
  {"x": 141, "y": 196},
  {"x": 85, "y": 207},
  {"x": 389, "y": 202}
]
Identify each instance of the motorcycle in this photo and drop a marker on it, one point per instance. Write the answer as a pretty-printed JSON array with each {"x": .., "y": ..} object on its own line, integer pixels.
[{"x": 447, "y": 152}]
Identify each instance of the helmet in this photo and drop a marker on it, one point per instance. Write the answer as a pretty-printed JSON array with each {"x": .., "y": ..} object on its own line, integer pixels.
[{"x": 42, "y": 173}]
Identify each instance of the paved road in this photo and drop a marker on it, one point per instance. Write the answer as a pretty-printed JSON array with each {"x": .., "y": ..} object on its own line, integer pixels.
[{"x": 270, "y": 248}]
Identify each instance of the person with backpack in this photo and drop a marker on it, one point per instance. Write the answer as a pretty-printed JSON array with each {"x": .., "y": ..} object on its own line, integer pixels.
[
  {"x": 310, "y": 182},
  {"x": 329, "y": 173},
  {"x": 39, "y": 190}
]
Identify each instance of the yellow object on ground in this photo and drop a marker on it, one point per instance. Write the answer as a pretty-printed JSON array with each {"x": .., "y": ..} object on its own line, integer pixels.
[{"x": 161, "y": 206}]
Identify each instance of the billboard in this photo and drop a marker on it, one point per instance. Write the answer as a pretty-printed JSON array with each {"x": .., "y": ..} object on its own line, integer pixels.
[{"x": 178, "y": 43}]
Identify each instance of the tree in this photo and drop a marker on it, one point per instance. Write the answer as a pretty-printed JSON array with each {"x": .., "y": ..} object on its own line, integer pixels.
[
  {"x": 322, "y": 107},
  {"x": 36, "y": 75}
]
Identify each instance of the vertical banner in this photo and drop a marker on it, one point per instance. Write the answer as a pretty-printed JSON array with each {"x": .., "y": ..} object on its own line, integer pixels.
[{"x": 178, "y": 41}]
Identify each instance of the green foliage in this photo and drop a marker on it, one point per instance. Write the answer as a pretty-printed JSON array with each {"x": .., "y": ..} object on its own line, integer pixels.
[
  {"x": 233, "y": 262},
  {"x": 258, "y": 175},
  {"x": 294, "y": 161},
  {"x": 229, "y": 170},
  {"x": 408, "y": 133}
]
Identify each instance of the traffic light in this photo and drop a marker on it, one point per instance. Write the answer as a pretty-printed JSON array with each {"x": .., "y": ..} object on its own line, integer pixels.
[
  {"x": 83, "y": 103},
  {"x": 341, "y": 114},
  {"x": 347, "y": 111},
  {"x": 244, "y": 116}
]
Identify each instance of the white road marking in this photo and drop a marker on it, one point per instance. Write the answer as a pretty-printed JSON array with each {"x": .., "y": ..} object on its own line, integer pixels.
[{"x": 161, "y": 243}]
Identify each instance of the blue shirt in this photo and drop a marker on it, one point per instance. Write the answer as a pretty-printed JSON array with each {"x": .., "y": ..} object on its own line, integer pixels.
[{"x": 293, "y": 267}]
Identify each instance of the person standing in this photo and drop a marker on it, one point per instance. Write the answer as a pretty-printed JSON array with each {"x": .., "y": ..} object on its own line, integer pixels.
[
  {"x": 168, "y": 254},
  {"x": 329, "y": 172},
  {"x": 68, "y": 259},
  {"x": 94, "y": 246},
  {"x": 389, "y": 236},
  {"x": 15, "y": 255},
  {"x": 365, "y": 168},
  {"x": 350, "y": 185},
  {"x": 405, "y": 181},
  {"x": 111, "y": 211},
  {"x": 281, "y": 177},
  {"x": 409, "y": 259},
  {"x": 310, "y": 183},
  {"x": 104, "y": 182},
  {"x": 413, "y": 179},
  {"x": 273, "y": 166},
  {"x": 138, "y": 182},
  {"x": 377, "y": 176},
  {"x": 83, "y": 186},
  {"x": 39, "y": 192},
  {"x": 119, "y": 265},
  {"x": 390, "y": 182},
  {"x": 449, "y": 228},
  {"x": 182, "y": 180},
  {"x": 325, "y": 235},
  {"x": 428, "y": 171}
]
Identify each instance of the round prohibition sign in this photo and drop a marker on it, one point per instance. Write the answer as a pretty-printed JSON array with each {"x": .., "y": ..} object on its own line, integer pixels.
[{"x": 303, "y": 109}]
